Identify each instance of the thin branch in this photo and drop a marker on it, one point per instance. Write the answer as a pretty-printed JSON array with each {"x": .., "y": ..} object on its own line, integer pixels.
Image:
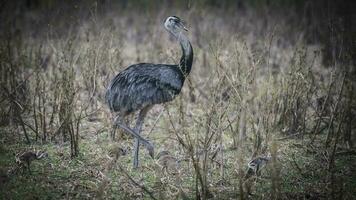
[{"x": 136, "y": 183}]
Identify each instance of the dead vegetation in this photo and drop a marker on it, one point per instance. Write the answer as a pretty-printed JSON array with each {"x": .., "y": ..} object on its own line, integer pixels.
[{"x": 257, "y": 90}]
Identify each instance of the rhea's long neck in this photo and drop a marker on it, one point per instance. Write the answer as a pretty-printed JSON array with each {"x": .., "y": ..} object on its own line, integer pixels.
[{"x": 186, "y": 60}]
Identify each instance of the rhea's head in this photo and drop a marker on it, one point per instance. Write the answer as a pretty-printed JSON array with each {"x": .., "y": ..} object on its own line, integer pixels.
[{"x": 174, "y": 24}]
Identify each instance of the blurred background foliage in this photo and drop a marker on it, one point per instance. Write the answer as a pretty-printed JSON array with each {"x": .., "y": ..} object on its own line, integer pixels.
[{"x": 327, "y": 22}]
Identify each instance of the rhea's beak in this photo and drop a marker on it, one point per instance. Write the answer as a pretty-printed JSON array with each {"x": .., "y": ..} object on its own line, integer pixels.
[
  {"x": 185, "y": 28},
  {"x": 182, "y": 26}
]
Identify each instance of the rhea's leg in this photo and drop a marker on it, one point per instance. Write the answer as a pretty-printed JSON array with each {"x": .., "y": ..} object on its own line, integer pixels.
[
  {"x": 138, "y": 127},
  {"x": 145, "y": 142}
]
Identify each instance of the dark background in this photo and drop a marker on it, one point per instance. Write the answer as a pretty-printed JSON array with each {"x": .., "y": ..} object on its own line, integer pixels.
[{"x": 328, "y": 22}]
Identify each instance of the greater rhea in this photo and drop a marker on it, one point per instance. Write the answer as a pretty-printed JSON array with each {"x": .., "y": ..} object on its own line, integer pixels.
[{"x": 140, "y": 86}]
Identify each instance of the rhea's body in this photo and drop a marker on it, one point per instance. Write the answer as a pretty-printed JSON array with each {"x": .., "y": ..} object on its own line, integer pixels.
[{"x": 144, "y": 84}]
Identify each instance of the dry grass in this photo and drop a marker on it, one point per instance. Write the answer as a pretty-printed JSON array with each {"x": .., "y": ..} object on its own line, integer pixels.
[{"x": 256, "y": 89}]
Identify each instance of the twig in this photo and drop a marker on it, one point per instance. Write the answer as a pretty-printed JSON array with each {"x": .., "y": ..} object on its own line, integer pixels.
[
  {"x": 156, "y": 121},
  {"x": 334, "y": 111},
  {"x": 137, "y": 184},
  {"x": 346, "y": 153},
  {"x": 316, "y": 127}
]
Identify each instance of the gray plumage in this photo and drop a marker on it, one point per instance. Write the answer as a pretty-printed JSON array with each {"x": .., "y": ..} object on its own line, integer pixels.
[
  {"x": 27, "y": 157},
  {"x": 255, "y": 165},
  {"x": 144, "y": 84},
  {"x": 140, "y": 86}
]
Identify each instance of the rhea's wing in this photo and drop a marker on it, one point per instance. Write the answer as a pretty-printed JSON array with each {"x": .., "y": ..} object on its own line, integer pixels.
[
  {"x": 141, "y": 85},
  {"x": 150, "y": 91}
]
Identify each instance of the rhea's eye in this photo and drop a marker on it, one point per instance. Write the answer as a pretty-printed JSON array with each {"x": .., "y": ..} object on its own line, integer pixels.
[{"x": 174, "y": 19}]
